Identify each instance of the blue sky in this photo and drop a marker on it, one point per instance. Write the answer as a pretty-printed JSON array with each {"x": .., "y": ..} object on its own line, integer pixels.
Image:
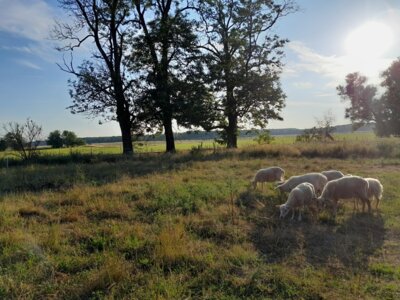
[{"x": 317, "y": 60}]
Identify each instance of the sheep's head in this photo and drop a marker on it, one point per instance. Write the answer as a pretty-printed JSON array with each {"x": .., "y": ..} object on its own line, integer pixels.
[
  {"x": 284, "y": 210},
  {"x": 321, "y": 203}
]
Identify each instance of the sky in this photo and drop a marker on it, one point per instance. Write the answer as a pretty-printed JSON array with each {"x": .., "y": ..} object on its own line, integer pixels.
[{"x": 328, "y": 39}]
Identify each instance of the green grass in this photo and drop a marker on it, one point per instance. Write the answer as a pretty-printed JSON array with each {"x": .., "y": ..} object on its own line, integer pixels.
[{"x": 186, "y": 226}]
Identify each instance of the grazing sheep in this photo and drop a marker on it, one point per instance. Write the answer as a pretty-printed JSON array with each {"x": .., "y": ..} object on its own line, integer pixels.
[
  {"x": 316, "y": 179},
  {"x": 375, "y": 190},
  {"x": 347, "y": 187},
  {"x": 332, "y": 174},
  {"x": 268, "y": 175},
  {"x": 302, "y": 195}
]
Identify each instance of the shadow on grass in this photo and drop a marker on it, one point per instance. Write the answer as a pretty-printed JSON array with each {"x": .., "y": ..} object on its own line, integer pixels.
[{"x": 349, "y": 243}]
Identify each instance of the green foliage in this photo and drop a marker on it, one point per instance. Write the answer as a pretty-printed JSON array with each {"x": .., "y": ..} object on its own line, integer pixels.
[
  {"x": 366, "y": 107},
  {"x": 244, "y": 73},
  {"x": 54, "y": 139},
  {"x": 70, "y": 139},
  {"x": 264, "y": 137},
  {"x": 3, "y": 144}
]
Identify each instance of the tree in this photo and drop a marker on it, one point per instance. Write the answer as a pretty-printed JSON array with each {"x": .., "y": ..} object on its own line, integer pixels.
[
  {"x": 244, "y": 61},
  {"x": 361, "y": 96},
  {"x": 70, "y": 139},
  {"x": 167, "y": 57},
  {"x": 365, "y": 106},
  {"x": 390, "y": 101},
  {"x": 23, "y": 138},
  {"x": 321, "y": 132},
  {"x": 102, "y": 86},
  {"x": 3, "y": 144},
  {"x": 54, "y": 139}
]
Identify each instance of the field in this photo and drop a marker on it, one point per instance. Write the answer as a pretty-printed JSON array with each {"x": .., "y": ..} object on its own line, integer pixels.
[{"x": 187, "y": 226}]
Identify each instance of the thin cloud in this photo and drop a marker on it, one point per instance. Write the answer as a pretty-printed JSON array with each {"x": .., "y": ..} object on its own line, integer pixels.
[
  {"x": 304, "y": 85},
  {"x": 335, "y": 68},
  {"x": 31, "y": 19},
  {"x": 28, "y": 64}
]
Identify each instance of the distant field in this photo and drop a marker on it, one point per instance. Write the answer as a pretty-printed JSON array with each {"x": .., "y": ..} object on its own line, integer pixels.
[{"x": 185, "y": 145}]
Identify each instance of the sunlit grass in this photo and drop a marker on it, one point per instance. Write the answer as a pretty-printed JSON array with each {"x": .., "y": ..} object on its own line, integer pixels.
[{"x": 187, "y": 226}]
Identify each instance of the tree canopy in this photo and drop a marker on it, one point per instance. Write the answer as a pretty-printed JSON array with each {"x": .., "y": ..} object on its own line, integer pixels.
[
  {"x": 213, "y": 64},
  {"x": 367, "y": 106}
]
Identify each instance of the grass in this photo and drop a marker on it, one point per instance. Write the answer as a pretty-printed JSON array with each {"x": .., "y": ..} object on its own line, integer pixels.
[{"x": 186, "y": 226}]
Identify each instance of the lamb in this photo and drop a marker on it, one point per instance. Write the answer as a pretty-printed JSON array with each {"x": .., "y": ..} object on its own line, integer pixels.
[
  {"x": 316, "y": 179},
  {"x": 268, "y": 175},
  {"x": 375, "y": 190},
  {"x": 345, "y": 188},
  {"x": 302, "y": 195},
  {"x": 332, "y": 174}
]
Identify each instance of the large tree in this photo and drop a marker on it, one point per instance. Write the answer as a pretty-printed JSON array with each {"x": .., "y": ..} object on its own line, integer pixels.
[
  {"x": 167, "y": 58},
  {"x": 391, "y": 96},
  {"x": 365, "y": 105},
  {"x": 102, "y": 86},
  {"x": 244, "y": 61}
]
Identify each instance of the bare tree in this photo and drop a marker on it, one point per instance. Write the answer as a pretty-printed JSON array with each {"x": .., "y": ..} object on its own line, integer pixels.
[{"x": 24, "y": 138}]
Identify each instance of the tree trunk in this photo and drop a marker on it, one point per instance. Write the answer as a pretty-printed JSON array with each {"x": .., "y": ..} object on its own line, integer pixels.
[
  {"x": 231, "y": 130},
  {"x": 123, "y": 117},
  {"x": 169, "y": 135},
  {"x": 127, "y": 147}
]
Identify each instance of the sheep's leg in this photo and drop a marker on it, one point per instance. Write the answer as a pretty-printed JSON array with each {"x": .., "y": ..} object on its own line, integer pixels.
[
  {"x": 293, "y": 212},
  {"x": 334, "y": 208},
  {"x": 377, "y": 202},
  {"x": 299, "y": 218},
  {"x": 369, "y": 205}
]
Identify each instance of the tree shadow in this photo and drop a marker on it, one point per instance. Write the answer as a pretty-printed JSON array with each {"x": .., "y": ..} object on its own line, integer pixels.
[{"x": 350, "y": 243}]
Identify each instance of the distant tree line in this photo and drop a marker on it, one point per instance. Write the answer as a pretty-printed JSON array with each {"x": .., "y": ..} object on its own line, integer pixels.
[
  {"x": 211, "y": 64},
  {"x": 367, "y": 106}
]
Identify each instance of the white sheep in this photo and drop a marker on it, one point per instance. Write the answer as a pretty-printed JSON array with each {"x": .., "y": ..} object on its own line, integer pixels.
[
  {"x": 316, "y": 179},
  {"x": 271, "y": 174},
  {"x": 302, "y": 195},
  {"x": 332, "y": 174},
  {"x": 347, "y": 187},
  {"x": 375, "y": 190}
]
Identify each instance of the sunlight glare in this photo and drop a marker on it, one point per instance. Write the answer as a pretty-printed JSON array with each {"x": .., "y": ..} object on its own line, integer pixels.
[{"x": 370, "y": 40}]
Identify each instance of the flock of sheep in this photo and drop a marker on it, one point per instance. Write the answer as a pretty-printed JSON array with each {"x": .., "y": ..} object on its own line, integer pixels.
[{"x": 330, "y": 186}]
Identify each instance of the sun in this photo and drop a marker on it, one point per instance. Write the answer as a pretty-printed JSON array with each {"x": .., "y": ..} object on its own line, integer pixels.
[{"x": 370, "y": 40}]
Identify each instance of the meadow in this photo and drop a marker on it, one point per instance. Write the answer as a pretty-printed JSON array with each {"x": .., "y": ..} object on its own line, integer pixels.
[{"x": 187, "y": 226}]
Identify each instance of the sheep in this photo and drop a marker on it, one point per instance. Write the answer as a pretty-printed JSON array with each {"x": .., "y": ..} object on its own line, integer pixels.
[
  {"x": 316, "y": 179},
  {"x": 332, "y": 174},
  {"x": 268, "y": 175},
  {"x": 346, "y": 187},
  {"x": 302, "y": 195},
  {"x": 375, "y": 190}
]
